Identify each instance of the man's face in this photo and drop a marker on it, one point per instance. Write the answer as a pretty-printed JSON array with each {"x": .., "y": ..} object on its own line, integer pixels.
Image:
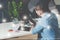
[{"x": 38, "y": 11}]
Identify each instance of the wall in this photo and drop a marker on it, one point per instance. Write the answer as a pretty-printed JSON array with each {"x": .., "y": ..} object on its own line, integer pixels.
[{"x": 57, "y": 2}]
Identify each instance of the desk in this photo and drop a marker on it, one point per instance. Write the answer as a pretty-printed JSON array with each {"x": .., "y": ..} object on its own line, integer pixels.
[
  {"x": 25, "y": 37},
  {"x": 22, "y": 35},
  {"x": 4, "y": 34}
]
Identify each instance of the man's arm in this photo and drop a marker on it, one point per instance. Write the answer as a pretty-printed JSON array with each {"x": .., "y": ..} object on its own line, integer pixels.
[{"x": 36, "y": 29}]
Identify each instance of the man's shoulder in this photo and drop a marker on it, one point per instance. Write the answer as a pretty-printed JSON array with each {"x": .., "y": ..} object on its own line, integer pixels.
[{"x": 49, "y": 16}]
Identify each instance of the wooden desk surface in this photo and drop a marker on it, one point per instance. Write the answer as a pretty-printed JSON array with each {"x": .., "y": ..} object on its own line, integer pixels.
[{"x": 26, "y": 37}]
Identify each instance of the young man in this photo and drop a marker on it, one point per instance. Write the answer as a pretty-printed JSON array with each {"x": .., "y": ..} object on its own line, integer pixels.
[{"x": 47, "y": 24}]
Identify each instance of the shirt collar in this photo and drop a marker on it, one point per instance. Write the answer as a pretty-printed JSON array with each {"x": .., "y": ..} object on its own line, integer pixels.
[{"x": 44, "y": 14}]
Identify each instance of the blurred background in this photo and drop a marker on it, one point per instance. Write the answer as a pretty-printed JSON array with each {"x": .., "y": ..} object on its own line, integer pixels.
[{"x": 11, "y": 9}]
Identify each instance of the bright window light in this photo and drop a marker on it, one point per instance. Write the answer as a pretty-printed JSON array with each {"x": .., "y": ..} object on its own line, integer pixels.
[
  {"x": 24, "y": 17},
  {"x": 4, "y": 20},
  {"x": 0, "y": 5}
]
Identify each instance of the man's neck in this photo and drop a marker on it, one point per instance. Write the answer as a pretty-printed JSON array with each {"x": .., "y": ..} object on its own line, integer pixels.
[{"x": 43, "y": 14}]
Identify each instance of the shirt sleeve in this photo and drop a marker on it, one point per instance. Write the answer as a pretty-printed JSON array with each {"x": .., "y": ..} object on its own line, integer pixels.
[
  {"x": 37, "y": 28},
  {"x": 41, "y": 24}
]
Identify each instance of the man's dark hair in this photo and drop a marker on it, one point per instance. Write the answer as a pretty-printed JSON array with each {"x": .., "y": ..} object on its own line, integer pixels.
[{"x": 44, "y": 5}]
